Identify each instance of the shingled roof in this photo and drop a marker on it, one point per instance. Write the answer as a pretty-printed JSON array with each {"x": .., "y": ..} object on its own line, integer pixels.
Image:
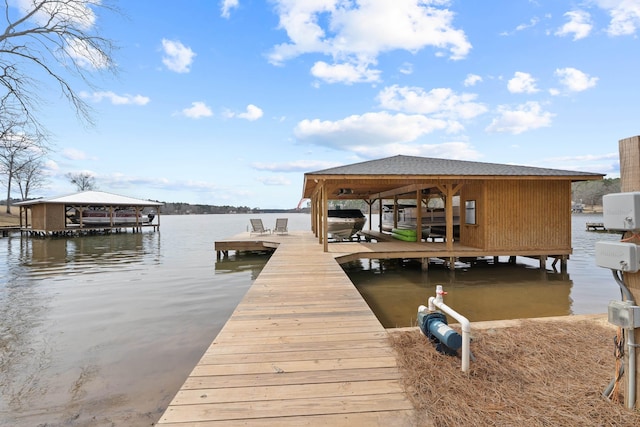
[
  {"x": 412, "y": 165},
  {"x": 384, "y": 175}
]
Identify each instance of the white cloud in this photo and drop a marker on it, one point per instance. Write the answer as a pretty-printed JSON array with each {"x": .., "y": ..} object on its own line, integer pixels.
[
  {"x": 78, "y": 12},
  {"x": 274, "y": 180},
  {"x": 406, "y": 68},
  {"x": 579, "y": 25},
  {"x": 177, "y": 57},
  {"x": 522, "y": 83},
  {"x": 116, "y": 99},
  {"x": 197, "y": 110},
  {"x": 441, "y": 103},
  {"x": 226, "y": 7},
  {"x": 355, "y": 33},
  {"x": 252, "y": 113},
  {"x": 532, "y": 23},
  {"x": 344, "y": 73},
  {"x": 523, "y": 118},
  {"x": 86, "y": 56},
  {"x": 472, "y": 80},
  {"x": 625, "y": 16},
  {"x": 575, "y": 80},
  {"x": 51, "y": 166},
  {"x": 73, "y": 154},
  {"x": 295, "y": 166},
  {"x": 447, "y": 150},
  {"x": 370, "y": 129}
]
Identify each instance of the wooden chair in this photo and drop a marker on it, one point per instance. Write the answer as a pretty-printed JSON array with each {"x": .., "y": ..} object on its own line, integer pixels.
[
  {"x": 258, "y": 228},
  {"x": 281, "y": 226}
]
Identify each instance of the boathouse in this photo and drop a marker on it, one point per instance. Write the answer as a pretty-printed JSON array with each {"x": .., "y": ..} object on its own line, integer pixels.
[
  {"x": 505, "y": 210},
  {"x": 68, "y": 214}
]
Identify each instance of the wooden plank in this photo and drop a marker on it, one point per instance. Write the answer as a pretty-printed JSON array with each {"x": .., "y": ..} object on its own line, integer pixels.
[
  {"x": 345, "y": 353},
  {"x": 259, "y": 339},
  {"x": 285, "y": 408},
  {"x": 239, "y": 348},
  {"x": 378, "y": 418},
  {"x": 315, "y": 377},
  {"x": 294, "y": 366},
  {"x": 301, "y": 348},
  {"x": 279, "y": 392}
]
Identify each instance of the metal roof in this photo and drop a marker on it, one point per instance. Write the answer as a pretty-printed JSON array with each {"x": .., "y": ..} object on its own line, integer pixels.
[
  {"x": 412, "y": 165},
  {"x": 92, "y": 198}
]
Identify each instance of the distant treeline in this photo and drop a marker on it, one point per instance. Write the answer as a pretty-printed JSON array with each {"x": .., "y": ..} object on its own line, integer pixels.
[
  {"x": 586, "y": 192},
  {"x": 189, "y": 209},
  {"x": 590, "y": 192}
]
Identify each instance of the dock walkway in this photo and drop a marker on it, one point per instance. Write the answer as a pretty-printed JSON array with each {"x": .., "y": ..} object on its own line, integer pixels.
[{"x": 301, "y": 349}]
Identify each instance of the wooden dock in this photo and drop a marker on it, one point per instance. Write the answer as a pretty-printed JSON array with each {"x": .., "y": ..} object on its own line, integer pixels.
[
  {"x": 595, "y": 226},
  {"x": 301, "y": 349}
]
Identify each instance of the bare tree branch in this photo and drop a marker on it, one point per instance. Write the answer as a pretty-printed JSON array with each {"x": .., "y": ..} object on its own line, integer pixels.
[
  {"x": 59, "y": 38},
  {"x": 17, "y": 147},
  {"x": 84, "y": 181}
]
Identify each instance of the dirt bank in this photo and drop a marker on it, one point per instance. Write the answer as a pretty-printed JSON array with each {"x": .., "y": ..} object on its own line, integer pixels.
[{"x": 9, "y": 219}]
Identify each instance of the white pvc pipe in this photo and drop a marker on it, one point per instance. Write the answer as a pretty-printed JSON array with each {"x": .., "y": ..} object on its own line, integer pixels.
[
  {"x": 438, "y": 302},
  {"x": 631, "y": 341}
]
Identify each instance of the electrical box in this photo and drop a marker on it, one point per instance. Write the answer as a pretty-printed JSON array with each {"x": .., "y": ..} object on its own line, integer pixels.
[
  {"x": 624, "y": 314},
  {"x": 620, "y": 256},
  {"x": 621, "y": 211}
]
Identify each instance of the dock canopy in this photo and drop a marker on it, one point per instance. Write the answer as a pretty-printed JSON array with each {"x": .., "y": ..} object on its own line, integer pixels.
[
  {"x": 64, "y": 213},
  {"x": 503, "y": 208}
]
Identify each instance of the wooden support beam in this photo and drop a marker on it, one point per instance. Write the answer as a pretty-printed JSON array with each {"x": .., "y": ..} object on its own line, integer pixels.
[{"x": 630, "y": 181}]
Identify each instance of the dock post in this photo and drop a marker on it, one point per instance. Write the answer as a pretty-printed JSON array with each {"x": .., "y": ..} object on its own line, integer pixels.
[
  {"x": 629, "y": 149},
  {"x": 425, "y": 264},
  {"x": 543, "y": 261}
]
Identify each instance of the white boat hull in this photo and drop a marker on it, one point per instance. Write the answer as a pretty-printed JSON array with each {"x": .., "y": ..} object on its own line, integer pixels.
[
  {"x": 95, "y": 218},
  {"x": 344, "y": 224}
]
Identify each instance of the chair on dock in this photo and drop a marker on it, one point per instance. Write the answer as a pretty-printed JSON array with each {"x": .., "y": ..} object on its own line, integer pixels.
[
  {"x": 258, "y": 228},
  {"x": 281, "y": 226}
]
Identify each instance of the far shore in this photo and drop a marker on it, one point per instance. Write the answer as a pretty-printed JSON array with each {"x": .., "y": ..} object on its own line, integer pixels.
[
  {"x": 13, "y": 219},
  {"x": 7, "y": 220}
]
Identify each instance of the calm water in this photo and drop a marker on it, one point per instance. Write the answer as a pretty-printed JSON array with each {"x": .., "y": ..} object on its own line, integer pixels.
[{"x": 103, "y": 330}]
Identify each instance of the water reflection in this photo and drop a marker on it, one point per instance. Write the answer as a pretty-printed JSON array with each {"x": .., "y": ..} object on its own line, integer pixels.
[
  {"x": 46, "y": 257},
  {"x": 395, "y": 289},
  {"x": 253, "y": 262}
]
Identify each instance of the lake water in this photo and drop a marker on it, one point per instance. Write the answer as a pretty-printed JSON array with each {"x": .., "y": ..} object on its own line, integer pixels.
[{"x": 103, "y": 330}]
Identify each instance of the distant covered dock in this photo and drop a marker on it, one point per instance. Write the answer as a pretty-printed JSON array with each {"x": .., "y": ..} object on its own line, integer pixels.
[{"x": 87, "y": 212}]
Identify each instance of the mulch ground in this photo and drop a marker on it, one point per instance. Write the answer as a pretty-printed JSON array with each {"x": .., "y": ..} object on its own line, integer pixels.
[{"x": 535, "y": 374}]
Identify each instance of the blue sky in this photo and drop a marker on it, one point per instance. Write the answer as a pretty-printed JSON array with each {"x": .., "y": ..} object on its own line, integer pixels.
[{"x": 231, "y": 102}]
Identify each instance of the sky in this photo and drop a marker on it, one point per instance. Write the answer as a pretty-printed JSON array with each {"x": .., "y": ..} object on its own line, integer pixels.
[{"x": 230, "y": 102}]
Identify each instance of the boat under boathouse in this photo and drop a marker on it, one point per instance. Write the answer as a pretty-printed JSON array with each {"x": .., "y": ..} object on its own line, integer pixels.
[
  {"x": 504, "y": 210},
  {"x": 87, "y": 212}
]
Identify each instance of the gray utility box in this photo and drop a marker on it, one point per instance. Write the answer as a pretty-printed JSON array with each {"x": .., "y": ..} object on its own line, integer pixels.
[{"x": 621, "y": 211}]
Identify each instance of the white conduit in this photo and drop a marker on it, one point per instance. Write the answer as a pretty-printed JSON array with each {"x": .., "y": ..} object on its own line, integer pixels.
[{"x": 438, "y": 302}]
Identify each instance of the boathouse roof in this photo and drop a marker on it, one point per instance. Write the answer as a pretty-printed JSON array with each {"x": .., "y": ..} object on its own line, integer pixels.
[
  {"x": 91, "y": 198},
  {"x": 388, "y": 171}
]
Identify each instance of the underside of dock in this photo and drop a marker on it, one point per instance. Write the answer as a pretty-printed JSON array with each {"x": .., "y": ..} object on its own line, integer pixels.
[{"x": 301, "y": 349}]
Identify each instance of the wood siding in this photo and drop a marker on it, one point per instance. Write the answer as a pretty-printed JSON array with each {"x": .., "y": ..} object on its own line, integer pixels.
[
  {"x": 48, "y": 217},
  {"x": 519, "y": 215},
  {"x": 473, "y": 235}
]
